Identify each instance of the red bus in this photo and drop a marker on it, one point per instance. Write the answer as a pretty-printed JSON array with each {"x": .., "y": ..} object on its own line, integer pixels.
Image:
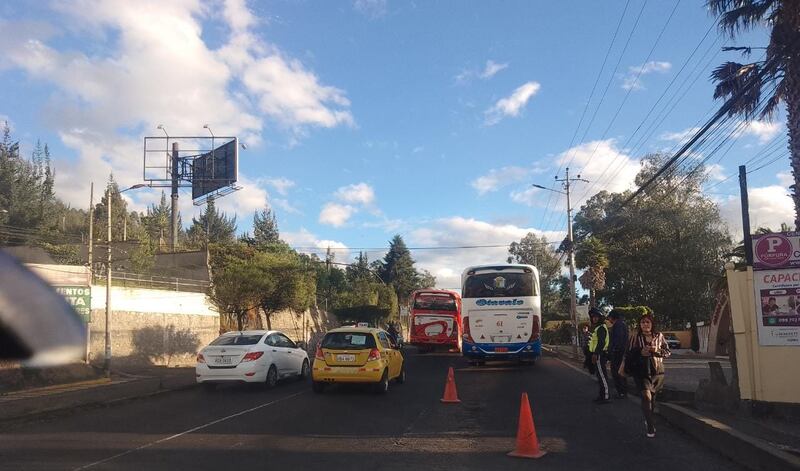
[{"x": 435, "y": 319}]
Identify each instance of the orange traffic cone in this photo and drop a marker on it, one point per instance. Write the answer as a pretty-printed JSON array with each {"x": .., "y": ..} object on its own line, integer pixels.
[
  {"x": 450, "y": 394},
  {"x": 527, "y": 442}
]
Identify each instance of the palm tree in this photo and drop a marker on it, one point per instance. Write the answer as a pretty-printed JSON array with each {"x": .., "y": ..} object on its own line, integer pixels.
[
  {"x": 780, "y": 68},
  {"x": 592, "y": 256}
]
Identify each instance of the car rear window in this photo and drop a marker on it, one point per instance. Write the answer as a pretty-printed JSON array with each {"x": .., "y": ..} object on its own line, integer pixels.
[
  {"x": 349, "y": 340},
  {"x": 237, "y": 340}
]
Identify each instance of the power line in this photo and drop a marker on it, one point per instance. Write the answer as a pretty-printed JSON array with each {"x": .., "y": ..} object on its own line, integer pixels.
[
  {"x": 591, "y": 94},
  {"x": 724, "y": 109}
]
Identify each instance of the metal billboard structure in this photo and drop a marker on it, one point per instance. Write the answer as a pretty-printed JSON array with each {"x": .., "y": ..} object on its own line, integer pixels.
[{"x": 209, "y": 165}]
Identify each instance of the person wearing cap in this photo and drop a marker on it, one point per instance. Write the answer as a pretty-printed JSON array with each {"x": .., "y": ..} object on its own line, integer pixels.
[
  {"x": 619, "y": 343},
  {"x": 598, "y": 346}
]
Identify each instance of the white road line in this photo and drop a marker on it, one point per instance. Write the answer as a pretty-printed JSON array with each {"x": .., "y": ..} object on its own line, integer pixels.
[{"x": 199, "y": 427}]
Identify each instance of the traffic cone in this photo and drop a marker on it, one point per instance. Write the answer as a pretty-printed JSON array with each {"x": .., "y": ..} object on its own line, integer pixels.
[
  {"x": 527, "y": 442},
  {"x": 450, "y": 394}
]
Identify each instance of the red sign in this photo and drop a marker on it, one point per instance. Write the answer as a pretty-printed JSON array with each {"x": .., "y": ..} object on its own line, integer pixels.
[{"x": 772, "y": 251}]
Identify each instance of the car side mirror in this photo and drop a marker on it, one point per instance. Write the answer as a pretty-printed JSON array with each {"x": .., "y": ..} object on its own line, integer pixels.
[{"x": 301, "y": 345}]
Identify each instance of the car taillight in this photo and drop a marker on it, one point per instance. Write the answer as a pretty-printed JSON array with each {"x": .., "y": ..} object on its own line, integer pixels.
[
  {"x": 465, "y": 327},
  {"x": 534, "y": 329},
  {"x": 252, "y": 356},
  {"x": 319, "y": 355},
  {"x": 200, "y": 358},
  {"x": 374, "y": 354}
]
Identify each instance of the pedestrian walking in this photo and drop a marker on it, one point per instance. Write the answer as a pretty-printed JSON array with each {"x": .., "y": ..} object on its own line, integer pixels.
[
  {"x": 619, "y": 344},
  {"x": 598, "y": 346},
  {"x": 644, "y": 361}
]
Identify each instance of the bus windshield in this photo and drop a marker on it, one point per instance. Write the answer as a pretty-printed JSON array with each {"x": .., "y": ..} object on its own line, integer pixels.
[
  {"x": 498, "y": 285},
  {"x": 437, "y": 302}
]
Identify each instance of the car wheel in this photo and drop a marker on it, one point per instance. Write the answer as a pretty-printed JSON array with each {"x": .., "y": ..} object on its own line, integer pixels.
[
  {"x": 272, "y": 377},
  {"x": 383, "y": 385},
  {"x": 401, "y": 378},
  {"x": 304, "y": 370},
  {"x": 318, "y": 387}
]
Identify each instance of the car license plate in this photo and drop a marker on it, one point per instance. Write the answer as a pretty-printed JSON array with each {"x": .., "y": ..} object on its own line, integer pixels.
[
  {"x": 223, "y": 360},
  {"x": 501, "y": 338},
  {"x": 501, "y": 349},
  {"x": 346, "y": 358}
]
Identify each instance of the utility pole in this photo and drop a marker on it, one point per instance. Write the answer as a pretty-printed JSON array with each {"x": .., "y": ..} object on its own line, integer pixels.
[
  {"x": 573, "y": 311},
  {"x": 174, "y": 238},
  {"x": 107, "y": 360},
  {"x": 748, "y": 238},
  {"x": 91, "y": 266},
  {"x": 91, "y": 230}
]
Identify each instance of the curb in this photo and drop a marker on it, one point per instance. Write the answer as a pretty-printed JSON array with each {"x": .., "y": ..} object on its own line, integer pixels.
[
  {"x": 751, "y": 452},
  {"x": 101, "y": 394}
]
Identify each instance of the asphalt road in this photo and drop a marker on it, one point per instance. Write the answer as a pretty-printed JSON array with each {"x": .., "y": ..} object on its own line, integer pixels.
[{"x": 350, "y": 428}]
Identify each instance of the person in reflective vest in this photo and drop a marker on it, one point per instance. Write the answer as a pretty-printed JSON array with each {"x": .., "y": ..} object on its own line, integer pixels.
[{"x": 598, "y": 346}]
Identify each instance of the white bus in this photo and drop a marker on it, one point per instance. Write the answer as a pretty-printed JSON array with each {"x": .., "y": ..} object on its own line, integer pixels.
[{"x": 502, "y": 313}]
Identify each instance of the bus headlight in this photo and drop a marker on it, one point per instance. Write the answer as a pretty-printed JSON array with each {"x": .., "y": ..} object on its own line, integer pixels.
[
  {"x": 528, "y": 347},
  {"x": 474, "y": 348}
]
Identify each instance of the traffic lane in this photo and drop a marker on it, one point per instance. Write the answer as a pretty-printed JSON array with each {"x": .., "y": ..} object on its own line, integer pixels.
[
  {"x": 67, "y": 440},
  {"x": 346, "y": 426},
  {"x": 409, "y": 427}
]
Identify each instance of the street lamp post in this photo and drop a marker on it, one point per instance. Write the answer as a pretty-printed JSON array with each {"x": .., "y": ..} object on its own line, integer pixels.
[
  {"x": 573, "y": 308},
  {"x": 107, "y": 359}
]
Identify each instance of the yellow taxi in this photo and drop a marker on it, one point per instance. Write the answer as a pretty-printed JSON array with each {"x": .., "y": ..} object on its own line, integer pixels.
[{"x": 357, "y": 355}]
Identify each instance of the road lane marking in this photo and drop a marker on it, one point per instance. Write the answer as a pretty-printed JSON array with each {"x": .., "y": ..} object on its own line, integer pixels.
[{"x": 185, "y": 432}]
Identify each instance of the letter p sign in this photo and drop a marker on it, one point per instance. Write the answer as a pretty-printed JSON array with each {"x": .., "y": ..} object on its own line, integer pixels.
[{"x": 773, "y": 243}]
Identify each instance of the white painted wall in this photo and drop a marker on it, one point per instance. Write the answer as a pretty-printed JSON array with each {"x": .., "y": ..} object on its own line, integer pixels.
[{"x": 153, "y": 301}]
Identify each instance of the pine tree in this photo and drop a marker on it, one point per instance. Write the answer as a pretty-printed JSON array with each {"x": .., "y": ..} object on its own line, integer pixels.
[
  {"x": 220, "y": 228},
  {"x": 398, "y": 269},
  {"x": 265, "y": 228}
]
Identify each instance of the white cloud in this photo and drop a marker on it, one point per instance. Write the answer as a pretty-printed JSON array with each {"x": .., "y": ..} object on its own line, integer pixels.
[
  {"x": 512, "y": 105},
  {"x": 357, "y": 193},
  {"x": 155, "y": 67},
  {"x": 305, "y": 241},
  {"x": 602, "y": 163},
  {"x": 529, "y": 197},
  {"x": 285, "y": 205},
  {"x": 282, "y": 184},
  {"x": 335, "y": 214},
  {"x": 498, "y": 178},
  {"x": 491, "y": 69},
  {"x": 716, "y": 172},
  {"x": 372, "y": 8},
  {"x": 632, "y": 80},
  {"x": 447, "y": 265},
  {"x": 785, "y": 179},
  {"x": 769, "y": 207},
  {"x": 763, "y": 130},
  {"x": 679, "y": 137}
]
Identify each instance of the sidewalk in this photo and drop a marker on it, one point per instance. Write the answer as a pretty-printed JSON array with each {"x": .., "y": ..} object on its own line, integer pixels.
[
  {"x": 759, "y": 444},
  {"x": 134, "y": 382}
]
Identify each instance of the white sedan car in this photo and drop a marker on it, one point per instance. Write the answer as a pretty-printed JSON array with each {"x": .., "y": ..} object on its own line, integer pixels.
[{"x": 250, "y": 356}]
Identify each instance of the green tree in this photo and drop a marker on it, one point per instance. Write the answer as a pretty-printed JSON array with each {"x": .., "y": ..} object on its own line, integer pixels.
[
  {"x": 157, "y": 222},
  {"x": 220, "y": 228},
  {"x": 780, "y": 68},
  {"x": 283, "y": 282},
  {"x": 397, "y": 269},
  {"x": 537, "y": 251},
  {"x": 665, "y": 249},
  {"x": 265, "y": 228},
  {"x": 591, "y": 256},
  {"x": 119, "y": 213},
  {"x": 235, "y": 290}
]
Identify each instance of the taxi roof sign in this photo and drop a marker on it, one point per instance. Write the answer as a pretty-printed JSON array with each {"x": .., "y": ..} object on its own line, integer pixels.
[{"x": 363, "y": 324}]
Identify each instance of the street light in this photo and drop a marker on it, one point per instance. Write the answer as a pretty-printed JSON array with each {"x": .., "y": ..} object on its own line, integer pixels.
[
  {"x": 161, "y": 127},
  {"x": 548, "y": 189},
  {"x": 107, "y": 359},
  {"x": 206, "y": 126}
]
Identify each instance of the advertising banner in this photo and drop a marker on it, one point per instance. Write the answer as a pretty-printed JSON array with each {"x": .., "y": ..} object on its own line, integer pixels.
[
  {"x": 777, "y": 250},
  {"x": 777, "y": 295}
]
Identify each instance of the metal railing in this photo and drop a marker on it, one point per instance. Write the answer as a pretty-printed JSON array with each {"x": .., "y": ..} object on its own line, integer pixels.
[{"x": 138, "y": 280}]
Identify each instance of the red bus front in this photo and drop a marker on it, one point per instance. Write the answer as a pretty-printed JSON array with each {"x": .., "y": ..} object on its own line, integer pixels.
[{"x": 435, "y": 319}]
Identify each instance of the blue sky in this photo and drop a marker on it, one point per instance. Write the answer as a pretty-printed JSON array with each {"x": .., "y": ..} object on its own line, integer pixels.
[{"x": 368, "y": 118}]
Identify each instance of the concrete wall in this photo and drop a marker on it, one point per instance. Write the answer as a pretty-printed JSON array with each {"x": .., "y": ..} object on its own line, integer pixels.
[
  {"x": 766, "y": 373},
  {"x": 151, "y": 326}
]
